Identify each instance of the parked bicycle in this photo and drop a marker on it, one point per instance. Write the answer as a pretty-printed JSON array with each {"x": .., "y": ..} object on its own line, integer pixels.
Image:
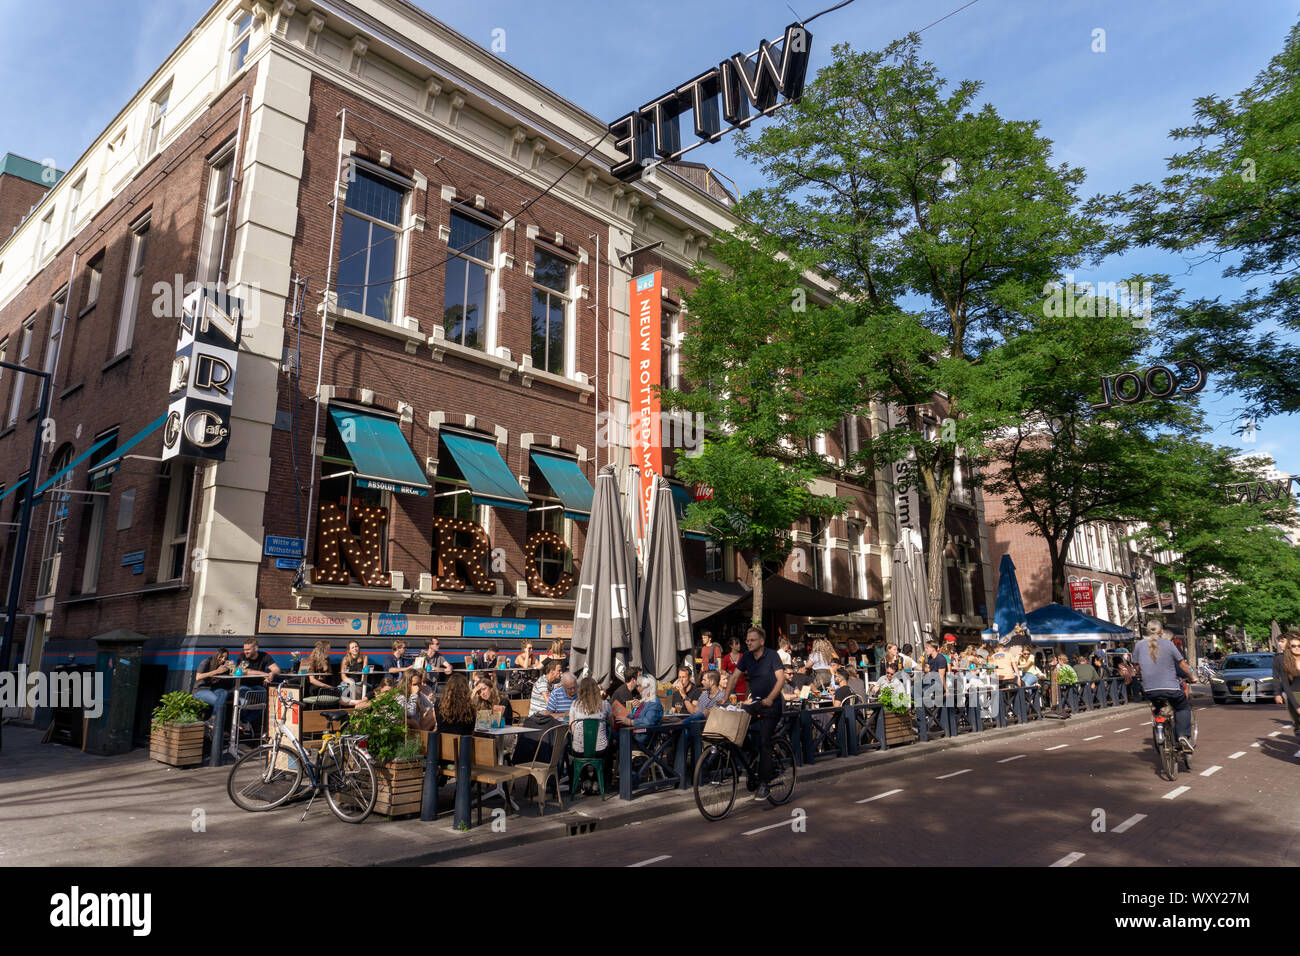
[
  {"x": 717, "y": 774},
  {"x": 272, "y": 775}
]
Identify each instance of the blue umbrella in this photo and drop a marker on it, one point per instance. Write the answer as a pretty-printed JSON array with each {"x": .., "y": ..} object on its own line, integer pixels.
[
  {"x": 1010, "y": 609},
  {"x": 1055, "y": 623}
]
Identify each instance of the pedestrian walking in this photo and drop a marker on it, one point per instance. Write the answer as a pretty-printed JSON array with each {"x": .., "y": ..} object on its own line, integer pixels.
[{"x": 1287, "y": 680}]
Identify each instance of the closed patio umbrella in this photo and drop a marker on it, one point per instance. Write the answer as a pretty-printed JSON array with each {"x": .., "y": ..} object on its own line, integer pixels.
[
  {"x": 909, "y": 602},
  {"x": 665, "y": 613},
  {"x": 1010, "y": 609},
  {"x": 605, "y": 615}
]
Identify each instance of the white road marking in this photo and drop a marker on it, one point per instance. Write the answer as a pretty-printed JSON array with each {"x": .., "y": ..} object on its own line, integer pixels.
[
  {"x": 956, "y": 773},
  {"x": 1058, "y": 747},
  {"x": 653, "y": 859},
  {"x": 1276, "y": 733},
  {"x": 1122, "y": 729},
  {"x": 1211, "y": 771},
  {"x": 1093, "y": 737},
  {"x": 1067, "y": 859},
  {"x": 887, "y": 793},
  {"x": 770, "y": 826},
  {"x": 1255, "y": 744},
  {"x": 1147, "y": 724},
  {"x": 1177, "y": 791},
  {"x": 1009, "y": 759},
  {"x": 1239, "y": 753},
  {"x": 1130, "y": 823}
]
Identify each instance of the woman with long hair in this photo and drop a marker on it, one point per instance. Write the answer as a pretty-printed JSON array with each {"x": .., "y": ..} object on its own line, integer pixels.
[
  {"x": 589, "y": 705},
  {"x": 486, "y": 696},
  {"x": 1288, "y": 687},
  {"x": 322, "y": 686},
  {"x": 353, "y": 671},
  {"x": 456, "y": 710},
  {"x": 415, "y": 694},
  {"x": 526, "y": 657}
]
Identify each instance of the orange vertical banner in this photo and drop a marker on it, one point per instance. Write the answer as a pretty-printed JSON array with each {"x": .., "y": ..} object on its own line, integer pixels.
[{"x": 647, "y": 453}]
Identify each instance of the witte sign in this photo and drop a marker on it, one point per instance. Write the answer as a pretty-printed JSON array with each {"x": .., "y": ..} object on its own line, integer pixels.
[
  {"x": 766, "y": 79},
  {"x": 202, "y": 386}
]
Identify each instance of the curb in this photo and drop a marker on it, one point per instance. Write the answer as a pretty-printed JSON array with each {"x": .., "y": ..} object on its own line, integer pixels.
[{"x": 668, "y": 802}]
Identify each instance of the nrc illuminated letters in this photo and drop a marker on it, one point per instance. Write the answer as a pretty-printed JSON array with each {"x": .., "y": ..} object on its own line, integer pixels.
[
  {"x": 202, "y": 385},
  {"x": 766, "y": 79}
]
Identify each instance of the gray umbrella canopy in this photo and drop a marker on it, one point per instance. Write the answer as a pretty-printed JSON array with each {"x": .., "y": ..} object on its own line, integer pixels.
[
  {"x": 665, "y": 613},
  {"x": 605, "y": 615},
  {"x": 909, "y": 602}
]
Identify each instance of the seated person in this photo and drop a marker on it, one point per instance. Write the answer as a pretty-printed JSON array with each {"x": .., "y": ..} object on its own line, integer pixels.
[
  {"x": 415, "y": 694},
  {"x": 486, "y": 696},
  {"x": 210, "y": 683},
  {"x": 400, "y": 660},
  {"x": 850, "y": 684},
  {"x": 322, "y": 681},
  {"x": 649, "y": 712},
  {"x": 455, "y": 709},
  {"x": 624, "y": 695},
  {"x": 526, "y": 658},
  {"x": 896, "y": 680},
  {"x": 542, "y": 687},
  {"x": 353, "y": 670},
  {"x": 711, "y": 695},
  {"x": 588, "y": 705},
  {"x": 1004, "y": 661},
  {"x": 563, "y": 696},
  {"x": 384, "y": 687},
  {"x": 684, "y": 693},
  {"x": 433, "y": 663}
]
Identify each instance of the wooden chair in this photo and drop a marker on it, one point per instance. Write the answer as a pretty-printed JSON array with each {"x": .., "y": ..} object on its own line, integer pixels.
[
  {"x": 520, "y": 708},
  {"x": 543, "y": 772},
  {"x": 485, "y": 771}
]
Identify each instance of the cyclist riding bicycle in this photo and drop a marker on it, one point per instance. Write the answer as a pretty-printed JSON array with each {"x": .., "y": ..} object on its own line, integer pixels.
[
  {"x": 1162, "y": 664},
  {"x": 765, "y": 675}
]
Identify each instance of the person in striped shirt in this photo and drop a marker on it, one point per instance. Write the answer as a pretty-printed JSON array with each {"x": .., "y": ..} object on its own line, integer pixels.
[{"x": 546, "y": 682}]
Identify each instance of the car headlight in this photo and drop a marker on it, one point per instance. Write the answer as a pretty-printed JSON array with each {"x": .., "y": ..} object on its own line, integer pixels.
[
  {"x": 1216, "y": 680},
  {"x": 1266, "y": 680}
]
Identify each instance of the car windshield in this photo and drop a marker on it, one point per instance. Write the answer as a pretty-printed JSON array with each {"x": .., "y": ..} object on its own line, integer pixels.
[{"x": 1242, "y": 661}]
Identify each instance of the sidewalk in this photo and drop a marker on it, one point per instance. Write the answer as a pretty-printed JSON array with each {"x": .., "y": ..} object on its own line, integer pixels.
[{"x": 60, "y": 807}]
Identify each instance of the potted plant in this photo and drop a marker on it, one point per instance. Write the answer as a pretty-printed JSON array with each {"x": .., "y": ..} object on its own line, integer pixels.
[
  {"x": 396, "y": 752},
  {"x": 898, "y": 715},
  {"x": 176, "y": 730}
]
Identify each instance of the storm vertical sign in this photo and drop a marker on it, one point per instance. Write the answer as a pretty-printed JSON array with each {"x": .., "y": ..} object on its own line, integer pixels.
[{"x": 647, "y": 452}]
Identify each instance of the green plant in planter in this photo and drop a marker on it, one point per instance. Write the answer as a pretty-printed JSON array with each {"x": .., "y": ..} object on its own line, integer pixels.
[
  {"x": 408, "y": 749},
  {"x": 384, "y": 723},
  {"x": 178, "y": 707},
  {"x": 895, "y": 703}
]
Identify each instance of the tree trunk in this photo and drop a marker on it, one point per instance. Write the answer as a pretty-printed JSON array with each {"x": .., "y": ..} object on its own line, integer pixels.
[
  {"x": 1189, "y": 636},
  {"x": 1059, "y": 589},
  {"x": 756, "y": 582},
  {"x": 935, "y": 568}
]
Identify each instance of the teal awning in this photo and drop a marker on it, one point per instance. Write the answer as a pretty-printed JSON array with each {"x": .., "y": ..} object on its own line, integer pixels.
[
  {"x": 379, "y": 452},
  {"x": 681, "y": 499},
  {"x": 568, "y": 482},
  {"x": 486, "y": 471}
]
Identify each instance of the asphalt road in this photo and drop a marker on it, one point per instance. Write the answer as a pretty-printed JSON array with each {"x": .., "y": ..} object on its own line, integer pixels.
[{"x": 1079, "y": 795}]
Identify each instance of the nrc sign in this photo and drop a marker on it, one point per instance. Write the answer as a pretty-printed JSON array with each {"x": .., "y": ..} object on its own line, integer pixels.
[{"x": 202, "y": 385}]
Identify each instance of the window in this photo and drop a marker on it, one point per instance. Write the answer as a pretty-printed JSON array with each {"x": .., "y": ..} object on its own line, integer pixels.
[
  {"x": 94, "y": 275},
  {"x": 713, "y": 566},
  {"x": 470, "y": 275},
  {"x": 24, "y": 353},
  {"x": 370, "y": 248},
  {"x": 56, "y": 524},
  {"x": 96, "y": 513},
  {"x": 858, "y": 558},
  {"x": 851, "y": 443},
  {"x": 670, "y": 345},
  {"x": 212, "y": 245},
  {"x": 58, "y": 313},
  {"x": 176, "y": 529},
  {"x": 74, "y": 208},
  {"x": 157, "y": 120},
  {"x": 43, "y": 238},
  {"x": 820, "y": 576},
  {"x": 241, "y": 34},
  {"x": 131, "y": 294},
  {"x": 550, "y": 311}
]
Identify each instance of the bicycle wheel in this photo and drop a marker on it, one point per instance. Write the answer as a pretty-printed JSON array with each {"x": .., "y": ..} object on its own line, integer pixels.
[
  {"x": 781, "y": 789},
  {"x": 1169, "y": 757},
  {"x": 716, "y": 777},
  {"x": 350, "y": 785},
  {"x": 264, "y": 778}
]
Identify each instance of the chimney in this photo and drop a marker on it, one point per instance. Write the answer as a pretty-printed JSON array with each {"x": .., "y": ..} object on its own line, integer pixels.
[{"x": 22, "y": 184}]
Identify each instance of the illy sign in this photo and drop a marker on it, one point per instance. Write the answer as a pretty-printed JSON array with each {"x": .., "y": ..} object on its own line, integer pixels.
[{"x": 203, "y": 377}]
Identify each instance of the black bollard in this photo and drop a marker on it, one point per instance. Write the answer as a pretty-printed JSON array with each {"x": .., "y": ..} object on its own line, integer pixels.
[
  {"x": 429, "y": 795},
  {"x": 218, "y": 735},
  {"x": 463, "y": 754}
]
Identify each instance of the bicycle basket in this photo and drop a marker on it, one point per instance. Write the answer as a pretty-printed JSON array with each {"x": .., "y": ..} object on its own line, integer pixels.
[{"x": 731, "y": 724}]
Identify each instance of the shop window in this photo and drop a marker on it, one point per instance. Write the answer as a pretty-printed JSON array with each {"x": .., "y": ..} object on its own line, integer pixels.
[
  {"x": 461, "y": 555},
  {"x": 552, "y": 562},
  {"x": 57, "y": 500},
  {"x": 713, "y": 567},
  {"x": 371, "y": 248},
  {"x": 351, "y": 523},
  {"x": 469, "y": 279}
]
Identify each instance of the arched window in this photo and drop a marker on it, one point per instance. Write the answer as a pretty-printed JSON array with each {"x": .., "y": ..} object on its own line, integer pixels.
[{"x": 58, "y": 499}]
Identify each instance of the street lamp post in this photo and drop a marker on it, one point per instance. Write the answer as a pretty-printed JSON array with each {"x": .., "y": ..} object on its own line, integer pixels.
[{"x": 24, "y": 522}]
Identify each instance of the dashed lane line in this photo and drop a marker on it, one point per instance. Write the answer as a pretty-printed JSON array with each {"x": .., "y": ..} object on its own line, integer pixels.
[
  {"x": 1147, "y": 724},
  {"x": 1068, "y": 859},
  {"x": 956, "y": 773},
  {"x": 1177, "y": 791},
  {"x": 1058, "y": 747},
  {"x": 881, "y": 796},
  {"x": 770, "y": 826},
  {"x": 1009, "y": 759},
  {"x": 1239, "y": 753},
  {"x": 1211, "y": 771},
  {"x": 1255, "y": 744},
  {"x": 1129, "y": 823},
  {"x": 656, "y": 859},
  {"x": 1276, "y": 733},
  {"x": 1093, "y": 737},
  {"x": 1122, "y": 729}
]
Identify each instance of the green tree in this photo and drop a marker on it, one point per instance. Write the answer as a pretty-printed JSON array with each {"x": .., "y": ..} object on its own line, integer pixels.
[
  {"x": 1265, "y": 588},
  {"x": 768, "y": 366},
  {"x": 1234, "y": 195},
  {"x": 916, "y": 198},
  {"x": 1064, "y": 463}
]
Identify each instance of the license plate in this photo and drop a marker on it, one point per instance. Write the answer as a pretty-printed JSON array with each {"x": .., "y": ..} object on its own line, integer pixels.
[{"x": 1238, "y": 688}]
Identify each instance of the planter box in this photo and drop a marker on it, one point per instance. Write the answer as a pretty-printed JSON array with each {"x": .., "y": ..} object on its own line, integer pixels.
[
  {"x": 401, "y": 783},
  {"x": 900, "y": 728},
  {"x": 179, "y": 745}
]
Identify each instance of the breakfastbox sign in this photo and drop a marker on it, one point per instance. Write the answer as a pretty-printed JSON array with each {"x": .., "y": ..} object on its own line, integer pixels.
[{"x": 270, "y": 621}]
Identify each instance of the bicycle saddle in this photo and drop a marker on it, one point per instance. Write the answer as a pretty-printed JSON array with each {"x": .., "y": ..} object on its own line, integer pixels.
[{"x": 334, "y": 716}]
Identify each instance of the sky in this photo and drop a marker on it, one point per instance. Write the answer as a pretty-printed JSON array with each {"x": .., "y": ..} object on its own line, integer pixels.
[{"x": 68, "y": 71}]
